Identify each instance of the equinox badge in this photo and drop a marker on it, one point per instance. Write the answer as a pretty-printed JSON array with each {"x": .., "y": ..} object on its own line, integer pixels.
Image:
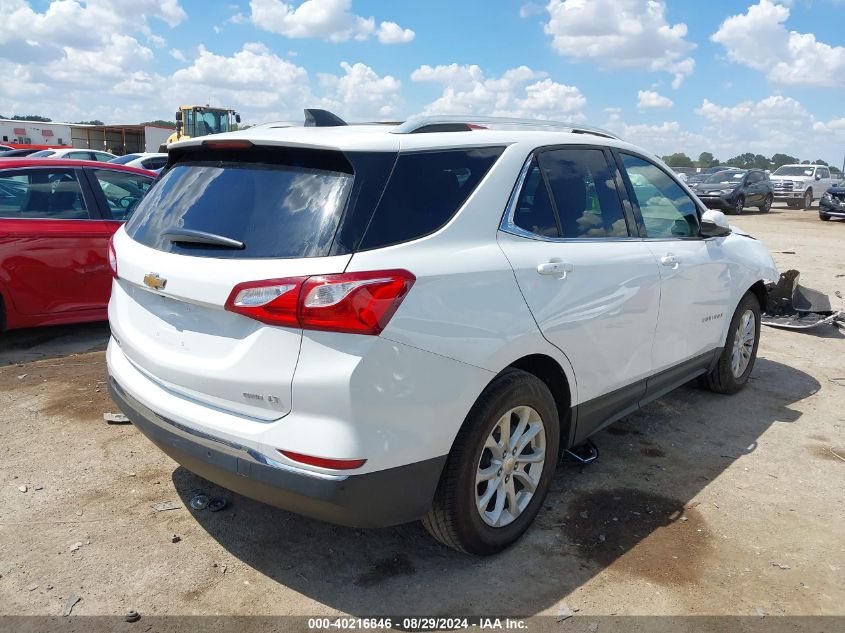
[{"x": 154, "y": 281}]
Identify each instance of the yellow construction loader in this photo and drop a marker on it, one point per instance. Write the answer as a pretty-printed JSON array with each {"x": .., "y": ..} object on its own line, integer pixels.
[{"x": 192, "y": 121}]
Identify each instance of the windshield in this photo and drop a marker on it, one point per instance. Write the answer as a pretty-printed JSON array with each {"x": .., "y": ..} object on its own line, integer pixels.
[
  {"x": 794, "y": 170},
  {"x": 212, "y": 122},
  {"x": 122, "y": 160},
  {"x": 726, "y": 178},
  {"x": 44, "y": 153}
]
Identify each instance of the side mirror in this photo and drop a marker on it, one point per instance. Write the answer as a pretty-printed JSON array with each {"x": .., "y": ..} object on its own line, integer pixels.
[
  {"x": 818, "y": 176},
  {"x": 178, "y": 116},
  {"x": 237, "y": 118},
  {"x": 714, "y": 224}
]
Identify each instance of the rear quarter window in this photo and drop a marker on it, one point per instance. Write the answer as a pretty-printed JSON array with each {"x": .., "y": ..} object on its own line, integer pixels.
[{"x": 424, "y": 191}]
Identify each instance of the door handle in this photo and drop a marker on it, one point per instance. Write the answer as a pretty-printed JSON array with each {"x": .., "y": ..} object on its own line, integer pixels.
[
  {"x": 670, "y": 261},
  {"x": 559, "y": 269}
]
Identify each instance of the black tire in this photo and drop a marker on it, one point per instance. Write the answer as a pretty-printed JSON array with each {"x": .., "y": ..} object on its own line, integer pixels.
[
  {"x": 454, "y": 519},
  {"x": 807, "y": 202},
  {"x": 824, "y": 218},
  {"x": 722, "y": 379},
  {"x": 767, "y": 205}
]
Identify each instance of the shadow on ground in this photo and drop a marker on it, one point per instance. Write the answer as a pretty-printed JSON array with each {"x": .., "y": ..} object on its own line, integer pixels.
[
  {"x": 23, "y": 346},
  {"x": 630, "y": 510}
]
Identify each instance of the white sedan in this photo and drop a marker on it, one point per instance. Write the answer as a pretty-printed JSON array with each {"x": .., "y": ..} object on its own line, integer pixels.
[
  {"x": 73, "y": 153},
  {"x": 148, "y": 160}
]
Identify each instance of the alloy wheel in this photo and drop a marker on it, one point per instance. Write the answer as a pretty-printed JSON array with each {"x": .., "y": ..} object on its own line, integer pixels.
[
  {"x": 743, "y": 346},
  {"x": 510, "y": 466}
]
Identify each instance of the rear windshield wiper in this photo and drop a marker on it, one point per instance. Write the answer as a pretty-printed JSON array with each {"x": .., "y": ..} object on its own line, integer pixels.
[{"x": 189, "y": 236}]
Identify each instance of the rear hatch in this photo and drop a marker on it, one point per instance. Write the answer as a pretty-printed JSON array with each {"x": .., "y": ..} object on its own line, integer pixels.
[{"x": 215, "y": 220}]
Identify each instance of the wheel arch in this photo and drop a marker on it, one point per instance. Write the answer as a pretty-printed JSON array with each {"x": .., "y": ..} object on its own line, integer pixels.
[
  {"x": 548, "y": 370},
  {"x": 758, "y": 289}
]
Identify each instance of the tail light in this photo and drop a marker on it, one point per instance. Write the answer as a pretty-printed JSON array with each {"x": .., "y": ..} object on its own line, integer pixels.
[
  {"x": 359, "y": 303},
  {"x": 112, "y": 258}
]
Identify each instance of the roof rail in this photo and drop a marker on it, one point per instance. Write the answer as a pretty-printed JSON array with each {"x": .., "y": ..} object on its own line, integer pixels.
[{"x": 465, "y": 123}]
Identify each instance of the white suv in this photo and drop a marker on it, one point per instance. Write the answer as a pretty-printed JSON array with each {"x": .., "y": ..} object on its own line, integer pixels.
[{"x": 376, "y": 324}]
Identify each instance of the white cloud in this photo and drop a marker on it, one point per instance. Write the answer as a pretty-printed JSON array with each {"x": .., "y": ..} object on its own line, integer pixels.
[
  {"x": 178, "y": 55},
  {"x": 529, "y": 9},
  {"x": 331, "y": 20},
  {"x": 773, "y": 124},
  {"x": 649, "y": 99},
  {"x": 66, "y": 23},
  {"x": 661, "y": 139},
  {"x": 74, "y": 50},
  {"x": 758, "y": 39},
  {"x": 361, "y": 94},
  {"x": 518, "y": 92},
  {"x": 454, "y": 75},
  {"x": 392, "y": 33},
  {"x": 252, "y": 78},
  {"x": 621, "y": 34}
]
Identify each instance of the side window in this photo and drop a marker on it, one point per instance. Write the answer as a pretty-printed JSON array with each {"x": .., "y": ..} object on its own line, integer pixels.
[
  {"x": 154, "y": 163},
  {"x": 825, "y": 172},
  {"x": 754, "y": 177},
  {"x": 79, "y": 155},
  {"x": 188, "y": 122},
  {"x": 533, "y": 212},
  {"x": 424, "y": 191},
  {"x": 122, "y": 190},
  {"x": 42, "y": 194},
  {"x": 584, "y": 193},
  {"x": 666, "y": 208},
  {"x": 101, "y": 157}
]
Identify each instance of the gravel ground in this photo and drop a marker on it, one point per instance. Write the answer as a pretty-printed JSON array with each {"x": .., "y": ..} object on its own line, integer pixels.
[{"x": 699, "y": 504}]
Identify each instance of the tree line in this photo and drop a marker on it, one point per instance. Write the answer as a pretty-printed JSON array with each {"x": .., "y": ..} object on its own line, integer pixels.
[{"x": 743, "y": 161}]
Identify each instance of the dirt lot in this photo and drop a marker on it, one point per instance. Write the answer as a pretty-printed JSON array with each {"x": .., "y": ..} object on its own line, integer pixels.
[{"x": 700, "y": 504}]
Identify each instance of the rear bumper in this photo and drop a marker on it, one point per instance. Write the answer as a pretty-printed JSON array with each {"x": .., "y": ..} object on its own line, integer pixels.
[{"x": 375, "y": 499}]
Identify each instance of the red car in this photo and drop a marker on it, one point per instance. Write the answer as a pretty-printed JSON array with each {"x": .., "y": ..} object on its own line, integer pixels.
[{"x": 56, "y": 219}]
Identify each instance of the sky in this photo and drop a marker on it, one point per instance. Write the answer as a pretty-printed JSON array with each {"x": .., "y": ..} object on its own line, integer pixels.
[{"x": 722, "y": 76}]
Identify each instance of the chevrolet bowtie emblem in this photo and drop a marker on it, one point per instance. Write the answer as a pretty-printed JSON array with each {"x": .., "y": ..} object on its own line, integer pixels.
[{"x": 154, "y": 281}]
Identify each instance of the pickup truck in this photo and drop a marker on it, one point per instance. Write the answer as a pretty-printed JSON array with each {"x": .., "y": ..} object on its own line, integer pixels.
[{"x": 800, "y": 185}]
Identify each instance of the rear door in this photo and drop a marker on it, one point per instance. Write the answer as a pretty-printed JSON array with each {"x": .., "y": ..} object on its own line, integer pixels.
[
  {"x": 753, "y": 188},
  {"x": 696, "y": 290},
  {"x": 53, "y": 241},
  {"x": 591, "y": 283},
  {"x": 168, "y": 306}
]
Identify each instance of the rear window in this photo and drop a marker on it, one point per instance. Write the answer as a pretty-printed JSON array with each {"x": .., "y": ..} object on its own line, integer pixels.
[
  {"x": 425, "y": 190},
  {"x": 275, "y": 210}
]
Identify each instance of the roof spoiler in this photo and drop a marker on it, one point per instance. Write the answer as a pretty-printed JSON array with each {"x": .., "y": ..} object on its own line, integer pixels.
[{"x": 315, "y": 117}]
